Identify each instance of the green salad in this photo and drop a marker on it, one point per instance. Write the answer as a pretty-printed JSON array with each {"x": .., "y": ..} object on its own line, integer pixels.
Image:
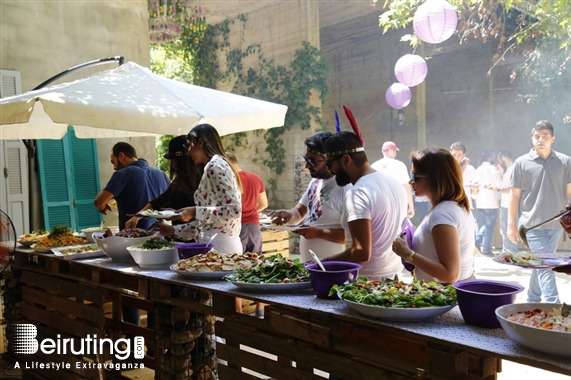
[
  {"x": 154, "y": 243},
  {"x": 396, "y": 293},
  {"x": 275, "y": 269}
]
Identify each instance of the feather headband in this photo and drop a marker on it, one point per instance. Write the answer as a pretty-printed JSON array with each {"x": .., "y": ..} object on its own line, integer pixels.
[{"x": 354, "y": 125}]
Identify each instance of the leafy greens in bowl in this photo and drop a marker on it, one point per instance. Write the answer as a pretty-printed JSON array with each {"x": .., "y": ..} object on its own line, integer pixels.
[
  {"x": 275, "y": 269},
  {"x": 396, "y": 300}
]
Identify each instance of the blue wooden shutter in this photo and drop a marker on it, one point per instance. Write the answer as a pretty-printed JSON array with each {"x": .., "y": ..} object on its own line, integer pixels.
[
  {"x": 55, "y": 183},
  {"x": 69, "y": 178},
  {"x": 85, "y": 172}
]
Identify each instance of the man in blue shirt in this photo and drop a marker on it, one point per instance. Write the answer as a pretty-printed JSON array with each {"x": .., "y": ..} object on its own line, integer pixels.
[{"x": 133, "y": 185}]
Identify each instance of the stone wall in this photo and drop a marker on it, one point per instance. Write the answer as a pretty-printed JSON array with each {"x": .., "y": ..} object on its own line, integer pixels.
[{"x": 43, "y": 38}]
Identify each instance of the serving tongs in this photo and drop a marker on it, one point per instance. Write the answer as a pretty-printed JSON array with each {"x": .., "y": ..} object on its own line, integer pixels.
[
  {"x": 523, "y": 230},
  {"x": 316, "y": 259}
]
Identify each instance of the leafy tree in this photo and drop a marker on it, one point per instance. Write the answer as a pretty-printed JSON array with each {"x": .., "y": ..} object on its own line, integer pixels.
[{"x": 537, "y": 30}]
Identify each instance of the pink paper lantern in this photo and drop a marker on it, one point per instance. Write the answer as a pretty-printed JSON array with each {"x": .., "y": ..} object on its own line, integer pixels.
[
  {"x": 411, "y": 70},
  {"x": 398, "y": 96},
  {"x": 435, "y": 21}
]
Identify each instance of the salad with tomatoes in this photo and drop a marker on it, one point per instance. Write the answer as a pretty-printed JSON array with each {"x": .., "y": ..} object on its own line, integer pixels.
[{"x": 396, "y": 294}]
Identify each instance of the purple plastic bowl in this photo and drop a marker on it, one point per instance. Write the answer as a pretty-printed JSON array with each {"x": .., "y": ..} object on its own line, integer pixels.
[
  {"x": 187, "y": 250},
  {"x": 478, "y": 300},
  {"x": 337, "y": 273}
]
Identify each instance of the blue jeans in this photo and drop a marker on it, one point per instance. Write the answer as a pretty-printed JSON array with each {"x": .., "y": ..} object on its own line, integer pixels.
[
  {"x": 507, "y": 244},
  {"x": 542, "y": 281},
  {"x": 486, "y": 218}
]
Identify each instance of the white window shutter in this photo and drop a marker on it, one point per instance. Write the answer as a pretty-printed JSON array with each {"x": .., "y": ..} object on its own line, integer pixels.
[
  {"x": 11, "y": 83},
  {"x": 14, "y": 188}
]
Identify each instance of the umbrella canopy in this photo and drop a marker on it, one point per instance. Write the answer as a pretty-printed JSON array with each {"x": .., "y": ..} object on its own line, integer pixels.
[{"x": 131, "y": 101}]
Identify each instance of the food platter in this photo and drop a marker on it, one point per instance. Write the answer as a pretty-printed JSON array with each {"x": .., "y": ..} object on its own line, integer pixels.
[
  {"x": 164, "y": 214},
  {"x": 60, "y": 251},
  {"x": 41, "y": 249},
  {"x": 204, "y": 276},
  {"x": 272, "y": 287},
  {"x": 280, "y": 228},
  {"x": 28, "y": 243},
  {"x": 395, "y": 314},
  {"x": 538, "y": 261},
  {"x": 547, "y": 341}
]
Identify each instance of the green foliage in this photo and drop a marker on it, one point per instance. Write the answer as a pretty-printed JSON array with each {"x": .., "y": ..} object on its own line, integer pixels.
[
  {"x": 162, "y": 144},
  {"x": 538, "y": 30},
  {"x": 196, "y": 62}
]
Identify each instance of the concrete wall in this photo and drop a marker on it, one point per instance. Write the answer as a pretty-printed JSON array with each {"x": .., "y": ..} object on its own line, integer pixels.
[
  {"x": 42, "y": 38},
  {"x": 279, "y": 28}
]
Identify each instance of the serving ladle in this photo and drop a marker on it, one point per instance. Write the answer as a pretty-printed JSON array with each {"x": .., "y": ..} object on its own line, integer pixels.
[
  {"x": 523, "y": 230},
  {"x": 317, "y": 260}
]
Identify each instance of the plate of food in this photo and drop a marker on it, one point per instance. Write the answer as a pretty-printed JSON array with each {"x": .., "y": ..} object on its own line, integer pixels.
[
  {"x": 283, "y": 227},
  {"x": 32, "y": 238},
  {"x": 214, "y": 265},
  {"x": 539, "y": 326},
  {"x": 59, "y": 236},
  {"x": 273, "y": 274},
  {"x": 78, "y": 252},
  {"x": 41, "y": 249},
  {"x": 157, "y": 214},
  {"x": 276, "y": 288},
  {"x": 532, "y": 260},
  {"x": 397, "y": 301}
]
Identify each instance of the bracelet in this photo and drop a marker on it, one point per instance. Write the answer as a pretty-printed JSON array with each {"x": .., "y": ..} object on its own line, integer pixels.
[{"x": 410, "y": 256}]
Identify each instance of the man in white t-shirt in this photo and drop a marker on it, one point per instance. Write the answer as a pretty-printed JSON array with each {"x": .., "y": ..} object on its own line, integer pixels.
[
  {"x": 374, "y": 208},
  {"x": 320, "y": 206},
  {"x": 396, "y": 169}
]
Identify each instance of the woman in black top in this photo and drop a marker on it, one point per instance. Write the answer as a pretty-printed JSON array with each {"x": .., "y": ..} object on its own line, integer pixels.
[{"x": 184, "y": 181}]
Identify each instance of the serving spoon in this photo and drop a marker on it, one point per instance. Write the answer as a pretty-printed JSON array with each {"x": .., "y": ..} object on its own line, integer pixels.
[
  {"x": 523, "y": 230},
  {"x": 316, "y": 259}
]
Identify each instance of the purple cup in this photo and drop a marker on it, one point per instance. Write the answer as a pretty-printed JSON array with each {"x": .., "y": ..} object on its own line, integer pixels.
[
  {"x": 187, "y": 250},
  {"x": 479, "y": 299},
  {"x": 337, "y": 272}
]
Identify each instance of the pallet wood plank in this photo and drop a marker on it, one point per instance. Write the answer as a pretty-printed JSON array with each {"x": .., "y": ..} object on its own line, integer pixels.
[
  {"x": 300, "y": 328},
  {"x": 63, "y": 287},
  {"x": 262, "y": 364},
  {"x": 64, "y": 306},
  {"x": 74, "y": 328}
]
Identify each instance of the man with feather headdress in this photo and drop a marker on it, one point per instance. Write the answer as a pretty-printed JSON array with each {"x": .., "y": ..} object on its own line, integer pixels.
[{"x": 374, "y": 207}]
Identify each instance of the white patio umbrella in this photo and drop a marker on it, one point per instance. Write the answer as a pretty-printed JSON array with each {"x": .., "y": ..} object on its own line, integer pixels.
[{"x": 131, "y": 101}]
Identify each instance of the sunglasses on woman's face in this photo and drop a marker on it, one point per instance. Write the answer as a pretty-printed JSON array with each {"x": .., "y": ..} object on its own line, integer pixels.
[{"x": 417, "y": 176}]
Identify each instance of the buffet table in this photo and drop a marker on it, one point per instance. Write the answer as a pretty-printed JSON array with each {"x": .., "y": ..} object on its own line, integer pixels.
[{"x": 75, "y": 298}]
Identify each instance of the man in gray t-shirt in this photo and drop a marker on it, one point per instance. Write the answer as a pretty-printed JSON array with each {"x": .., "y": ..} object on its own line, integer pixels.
[{"x": 541, "y": 187}]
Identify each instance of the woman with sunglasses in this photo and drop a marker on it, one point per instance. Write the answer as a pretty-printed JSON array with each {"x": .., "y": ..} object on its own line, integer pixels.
[
  {"x": 184, "y": 181},
  {"x": 443, "y": 244},
  {"x": 218, "y": 200}
]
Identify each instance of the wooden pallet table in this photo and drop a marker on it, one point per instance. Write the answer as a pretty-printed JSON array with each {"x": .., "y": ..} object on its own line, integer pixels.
[{"x": 195, "y": 323}]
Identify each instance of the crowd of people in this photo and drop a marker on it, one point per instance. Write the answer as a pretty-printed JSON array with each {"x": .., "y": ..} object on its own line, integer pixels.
[{"x": 354, "y": 210}]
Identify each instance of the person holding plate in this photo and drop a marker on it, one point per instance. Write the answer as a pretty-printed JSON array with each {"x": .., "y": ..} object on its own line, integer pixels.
[
  {"x": 184, "y": 181},
  {"x": 318, "y": 212},
  {"x": 218, "y": 200},
  {"x": 443, "y": 244}
]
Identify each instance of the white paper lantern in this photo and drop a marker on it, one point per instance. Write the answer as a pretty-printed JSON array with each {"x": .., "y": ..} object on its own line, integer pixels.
[
  {"x": 398, "y": 96},
  {"x": 411, "y": 70},
  {"x": 435, "y": 21}
]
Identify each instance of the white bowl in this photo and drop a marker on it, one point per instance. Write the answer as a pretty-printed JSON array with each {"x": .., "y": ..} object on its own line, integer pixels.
[
  {"x": 397, "y": 314},
  {"x": 546, "y": 341},
  {"x": 116, "y": 246},
  {"x": 88, "y": 232},
  {"x": 154, "y": 258}
]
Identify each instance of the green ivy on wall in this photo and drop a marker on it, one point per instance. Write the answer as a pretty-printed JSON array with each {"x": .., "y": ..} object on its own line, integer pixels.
[{"x": 292, "y": 85}]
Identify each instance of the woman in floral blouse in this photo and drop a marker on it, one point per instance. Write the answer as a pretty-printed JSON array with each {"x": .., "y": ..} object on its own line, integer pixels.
[{"x": 218, "y": 197}]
